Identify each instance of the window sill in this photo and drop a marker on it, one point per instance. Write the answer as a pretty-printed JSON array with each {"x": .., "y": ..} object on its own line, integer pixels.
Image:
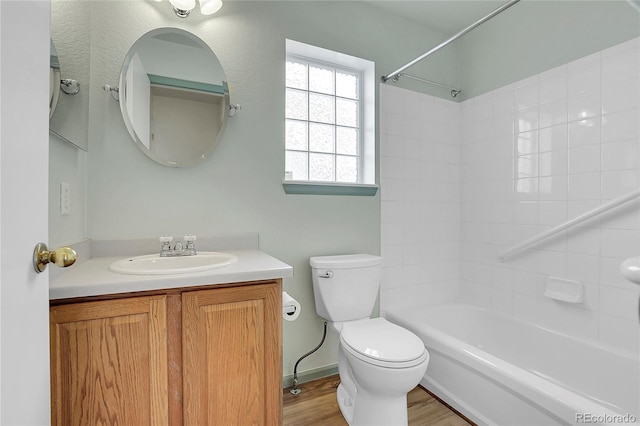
[{"x": 328, "y": 188}]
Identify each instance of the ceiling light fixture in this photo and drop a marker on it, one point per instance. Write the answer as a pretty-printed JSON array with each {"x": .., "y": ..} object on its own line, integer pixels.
[{"x": 183, "y": 8}]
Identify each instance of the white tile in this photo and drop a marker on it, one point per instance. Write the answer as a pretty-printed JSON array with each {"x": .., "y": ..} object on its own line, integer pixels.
[
  {"x": 526, "y": 95},
  {"x": 583, "y": 267},
  {"x": 619, "y": 243},
  {"x": 620, "y": 66},
  {"x": 610, "y": 274},
  {"x": 581, "y": 323},
  {"x": 584, "y": 105},
  {"x": 584, "y": 241},
  {"x": 553, "y": 113},
  {"x": 618, "y": 302},
  {"x": 552, "y": 212},
  {"x": 553, "y": 188},
  {"x": 584, "y": 159},
  {"x": 621, "y": 155},
  {"x": 585, "y": 132},
  {"x": 392, "y": 277},
  {"x": 392, "y": 168},
  {"x": 584, "y": 186},
  {"x": 392, "y": 189},
  {"x": 584, "y": 74},
  {"x": 621, "y": 96},
  {"x": 554, "y": 163},
  {"x": 503, "y": 102},
  {"x": 553, "y": 138},
  {"x": 553, "y": 84},
  {"x": 553, "y": 263},
  {"x": 625, "y": 217},
  {"x": 619, "y": 182},
  {"x": 621, "y": 126},
  {"x": 526, "y": 119},
  {"x": 620, "y": 333},
  {"x": 526, "y": 213}
]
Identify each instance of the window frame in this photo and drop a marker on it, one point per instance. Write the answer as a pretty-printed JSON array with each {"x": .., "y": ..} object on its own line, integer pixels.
[
  {"x": 365, "y": 70},
  {"x": 360, "y": 93}
]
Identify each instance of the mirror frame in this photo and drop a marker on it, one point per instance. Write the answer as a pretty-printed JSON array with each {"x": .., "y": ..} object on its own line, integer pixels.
[{"x": 125, "y": 114}]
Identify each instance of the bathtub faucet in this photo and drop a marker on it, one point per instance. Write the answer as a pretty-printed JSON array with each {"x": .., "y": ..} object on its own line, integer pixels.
[{"x": 188, "y": 249}]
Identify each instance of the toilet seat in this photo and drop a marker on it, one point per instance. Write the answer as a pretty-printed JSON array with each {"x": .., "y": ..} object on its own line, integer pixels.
[{"x": 379, "y": 342}]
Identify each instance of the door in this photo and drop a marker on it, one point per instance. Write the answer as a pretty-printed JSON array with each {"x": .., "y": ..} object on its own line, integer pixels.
[{"x": 24, "y": 295}]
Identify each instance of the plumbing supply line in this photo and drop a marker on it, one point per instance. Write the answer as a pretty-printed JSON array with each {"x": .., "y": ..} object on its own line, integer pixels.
[
  {"x": 606, "y": 207},
  {"x": 450, "y": 40},
  {"x": 294, "y": 390}
]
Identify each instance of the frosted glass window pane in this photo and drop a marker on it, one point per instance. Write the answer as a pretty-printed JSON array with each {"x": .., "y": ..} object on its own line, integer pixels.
[
  {"x": 296, "y": 104},
  {"x": 296, "y": 165},
  {"x": 296, "y": 135},
  {"x": 346, "y": 85},
  {"x": 296, "y": 75},
  {"x": 321, "y": 167},
  {"x": 321, "y": 79},
  {"x": 347, "y": 141},
  {"x": 321, "y": 108},
  {"x": 346, "y": 169},
  {"x": 347, "y": 112},
  {"x": 321, "y": 137}
]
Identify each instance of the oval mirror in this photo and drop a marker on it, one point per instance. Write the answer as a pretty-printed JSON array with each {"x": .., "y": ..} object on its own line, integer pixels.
[
  {"x": 54, "y": 78},
  {"x": 174, "y": 97}
]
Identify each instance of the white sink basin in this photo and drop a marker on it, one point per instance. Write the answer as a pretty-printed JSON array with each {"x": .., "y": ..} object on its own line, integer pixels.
[
  {"x": 630, "y": 269},
  {"x": 153, "y": 264}
]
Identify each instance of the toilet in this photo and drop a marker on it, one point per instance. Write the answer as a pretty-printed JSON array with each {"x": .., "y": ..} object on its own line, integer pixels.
[{"x": 379, "y": 362}]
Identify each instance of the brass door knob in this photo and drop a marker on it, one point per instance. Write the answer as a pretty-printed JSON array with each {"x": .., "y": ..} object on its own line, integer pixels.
[{"x": 62, "y": 257}]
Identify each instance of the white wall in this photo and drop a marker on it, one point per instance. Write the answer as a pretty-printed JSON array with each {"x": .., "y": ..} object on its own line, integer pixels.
[
  {"x": 420, "y": 191},
  {"x": 576, "y": 127}
]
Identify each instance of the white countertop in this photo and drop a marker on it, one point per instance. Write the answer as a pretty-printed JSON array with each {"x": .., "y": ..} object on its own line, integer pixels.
[{"x": 93, "y": 277}]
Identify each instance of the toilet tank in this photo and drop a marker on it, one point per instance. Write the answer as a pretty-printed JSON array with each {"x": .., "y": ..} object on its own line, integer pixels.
[{"x": 345, "y": 286}]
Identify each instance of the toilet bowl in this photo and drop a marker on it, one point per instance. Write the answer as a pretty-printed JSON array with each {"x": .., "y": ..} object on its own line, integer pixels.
[{"x": 379, "y": 362}]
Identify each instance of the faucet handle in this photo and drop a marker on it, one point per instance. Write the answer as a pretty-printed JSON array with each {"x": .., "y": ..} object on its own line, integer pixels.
[
  {"x": 189, "y": 239},
  {"x": 165, "y": 240}
]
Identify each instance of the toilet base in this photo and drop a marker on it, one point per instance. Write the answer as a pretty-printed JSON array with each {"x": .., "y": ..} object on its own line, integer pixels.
[{"x": 371, "y": 410}]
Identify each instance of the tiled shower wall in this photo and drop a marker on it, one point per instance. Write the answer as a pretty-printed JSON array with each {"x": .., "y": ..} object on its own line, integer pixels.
[
  {"x": 539, "y": 152},
  {"x": 420, "y": 192},
  {"x": 532, "y": 155}
]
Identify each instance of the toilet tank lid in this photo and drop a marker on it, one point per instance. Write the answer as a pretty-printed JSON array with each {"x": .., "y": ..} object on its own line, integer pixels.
[{"x": 345, "y": 261}]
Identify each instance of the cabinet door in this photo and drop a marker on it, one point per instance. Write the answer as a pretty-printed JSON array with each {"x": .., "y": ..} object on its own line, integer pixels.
[
  {"x": 232, "y": 355},
  {"x": 109, "y": 362}
]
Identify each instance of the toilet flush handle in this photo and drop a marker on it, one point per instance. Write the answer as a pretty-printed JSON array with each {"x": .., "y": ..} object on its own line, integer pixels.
[{"x": 327, "y": 274}]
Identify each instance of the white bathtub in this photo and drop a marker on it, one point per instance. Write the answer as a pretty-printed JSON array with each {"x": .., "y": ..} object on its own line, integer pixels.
[{"x": 498, "y": 370}]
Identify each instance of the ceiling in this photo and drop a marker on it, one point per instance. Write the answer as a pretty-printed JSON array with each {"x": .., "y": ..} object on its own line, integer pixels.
[{"x": 445, "y": 16}]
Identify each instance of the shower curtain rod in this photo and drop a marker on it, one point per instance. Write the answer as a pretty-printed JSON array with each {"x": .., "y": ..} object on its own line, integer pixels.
[
  {"x": 397, "y": 73},
  {"x": 454, "y": 91}
]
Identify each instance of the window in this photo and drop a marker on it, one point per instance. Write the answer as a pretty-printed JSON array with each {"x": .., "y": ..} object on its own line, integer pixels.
[{"x": 329, "y": 110}]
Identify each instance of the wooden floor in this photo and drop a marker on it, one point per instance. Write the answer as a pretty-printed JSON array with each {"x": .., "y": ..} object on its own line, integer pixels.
[{"x": 317, "y": 405}]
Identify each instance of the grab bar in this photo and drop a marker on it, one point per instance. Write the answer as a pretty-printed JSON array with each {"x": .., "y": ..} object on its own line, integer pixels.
[{"x": 611, "y": 205}]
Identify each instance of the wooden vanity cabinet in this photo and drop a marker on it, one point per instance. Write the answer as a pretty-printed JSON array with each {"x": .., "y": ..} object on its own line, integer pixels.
[{"x": 206, "y": 356}]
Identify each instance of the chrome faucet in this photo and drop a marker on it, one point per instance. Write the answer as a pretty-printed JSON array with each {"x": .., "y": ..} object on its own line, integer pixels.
[{"x": 178, "y": 248}]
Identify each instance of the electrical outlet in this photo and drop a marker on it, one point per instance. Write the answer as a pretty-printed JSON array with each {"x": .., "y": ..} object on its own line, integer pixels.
[{"x": 65, "y": 198}]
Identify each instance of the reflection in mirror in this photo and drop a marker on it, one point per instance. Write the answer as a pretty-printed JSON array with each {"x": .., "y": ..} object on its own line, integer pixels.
[
  {"x": 54, "y": 79},
  {"x": 71, "y": 35},
  {"x": 174, "y": 97}
]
